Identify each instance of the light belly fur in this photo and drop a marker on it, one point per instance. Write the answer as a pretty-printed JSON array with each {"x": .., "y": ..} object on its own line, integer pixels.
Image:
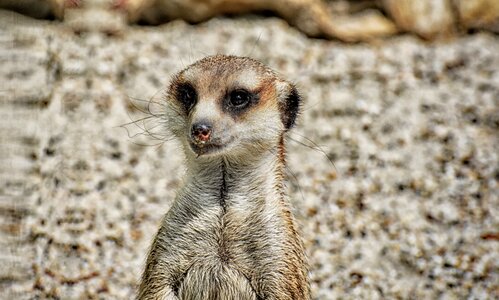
[{"x": 215, "y": 280}]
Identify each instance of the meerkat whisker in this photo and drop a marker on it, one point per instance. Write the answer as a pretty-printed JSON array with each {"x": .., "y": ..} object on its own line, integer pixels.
[
  {"x": 147, "y": 145},
  {"x": 148, "y": 111},
  {"x": 254, "y": 46},
  {"x": 135, "y": 121},
  {"x": 147, "y": 131},
  {"x": 315, "y": 147}
]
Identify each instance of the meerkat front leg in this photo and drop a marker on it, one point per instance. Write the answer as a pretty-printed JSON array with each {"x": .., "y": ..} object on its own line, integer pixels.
[{"x": 161, "y": 277}]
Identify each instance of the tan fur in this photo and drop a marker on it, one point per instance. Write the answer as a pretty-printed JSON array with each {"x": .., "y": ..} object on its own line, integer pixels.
[{"x": 230, "y": 233}]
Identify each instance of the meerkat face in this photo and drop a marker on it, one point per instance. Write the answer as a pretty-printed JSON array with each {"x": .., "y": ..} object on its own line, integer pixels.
[{"x": 230, "y": 105}]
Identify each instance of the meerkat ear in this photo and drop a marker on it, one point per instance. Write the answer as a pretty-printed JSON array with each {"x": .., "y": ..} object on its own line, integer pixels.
[{"x": 289, "y": 106}]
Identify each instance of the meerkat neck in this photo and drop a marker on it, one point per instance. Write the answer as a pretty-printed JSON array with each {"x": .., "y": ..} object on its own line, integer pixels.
[{"x": 232, "y": 180}]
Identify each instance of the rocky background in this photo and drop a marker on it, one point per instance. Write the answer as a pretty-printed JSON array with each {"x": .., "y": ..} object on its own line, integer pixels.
[{"x": 393, "y": 167}]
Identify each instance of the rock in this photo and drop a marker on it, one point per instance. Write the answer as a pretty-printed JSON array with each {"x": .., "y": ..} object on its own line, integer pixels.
[
  {"x": 364, "y": 26},
  {"x": 312, "y": 17},
  {"x": 427, "y": 18},
  {"x": 32, "y": 8},
  {"x": 478, "y": 14},
  {"x": 349, "y": 21}
]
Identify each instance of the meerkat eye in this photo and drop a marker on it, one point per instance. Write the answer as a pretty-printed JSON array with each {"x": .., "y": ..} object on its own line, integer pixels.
[
  {"x": 240, "y": 98},
  {"x": 187, "y": 95}
]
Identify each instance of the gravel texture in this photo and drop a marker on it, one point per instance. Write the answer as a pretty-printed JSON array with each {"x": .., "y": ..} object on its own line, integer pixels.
[{"x": 406, "y": 206}]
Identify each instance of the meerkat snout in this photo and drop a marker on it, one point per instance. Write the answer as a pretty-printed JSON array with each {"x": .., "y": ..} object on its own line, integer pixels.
[{"x": 201, "y": 132}]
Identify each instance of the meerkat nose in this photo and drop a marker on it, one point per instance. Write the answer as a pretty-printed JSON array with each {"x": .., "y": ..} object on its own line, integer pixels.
[{"x": 201, "y": 132}]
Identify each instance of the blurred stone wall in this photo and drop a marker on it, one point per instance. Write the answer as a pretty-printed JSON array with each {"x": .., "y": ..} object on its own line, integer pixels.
[{"x": 393, "y": 168}]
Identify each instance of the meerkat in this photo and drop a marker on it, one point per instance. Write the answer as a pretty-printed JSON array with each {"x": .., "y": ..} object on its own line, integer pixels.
[{"x": 230, "y": 233}]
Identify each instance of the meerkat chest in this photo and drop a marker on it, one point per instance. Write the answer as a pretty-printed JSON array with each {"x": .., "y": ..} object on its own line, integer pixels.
[
  {"x": 226, "y": 244},
  {"x": 212, "y": 270},
  {"x": 232, "y": 232}
]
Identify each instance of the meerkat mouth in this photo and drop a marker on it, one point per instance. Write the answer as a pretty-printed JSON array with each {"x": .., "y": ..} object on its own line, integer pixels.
[
  {"x": 204, "y": 149},
  {"x": 209, "y": 147}
]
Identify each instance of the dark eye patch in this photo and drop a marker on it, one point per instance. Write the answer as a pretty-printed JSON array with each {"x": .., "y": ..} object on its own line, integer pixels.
[
  {"x": 239, "y": 99},
  {"x": 187, "y": 95}
]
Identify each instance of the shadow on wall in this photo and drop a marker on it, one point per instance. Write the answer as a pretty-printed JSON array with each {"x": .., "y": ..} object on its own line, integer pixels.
[{"x": 346, "y": 20}]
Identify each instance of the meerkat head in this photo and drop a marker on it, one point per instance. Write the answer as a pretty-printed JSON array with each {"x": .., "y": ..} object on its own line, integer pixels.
[{"x": 228, "y": 105}]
